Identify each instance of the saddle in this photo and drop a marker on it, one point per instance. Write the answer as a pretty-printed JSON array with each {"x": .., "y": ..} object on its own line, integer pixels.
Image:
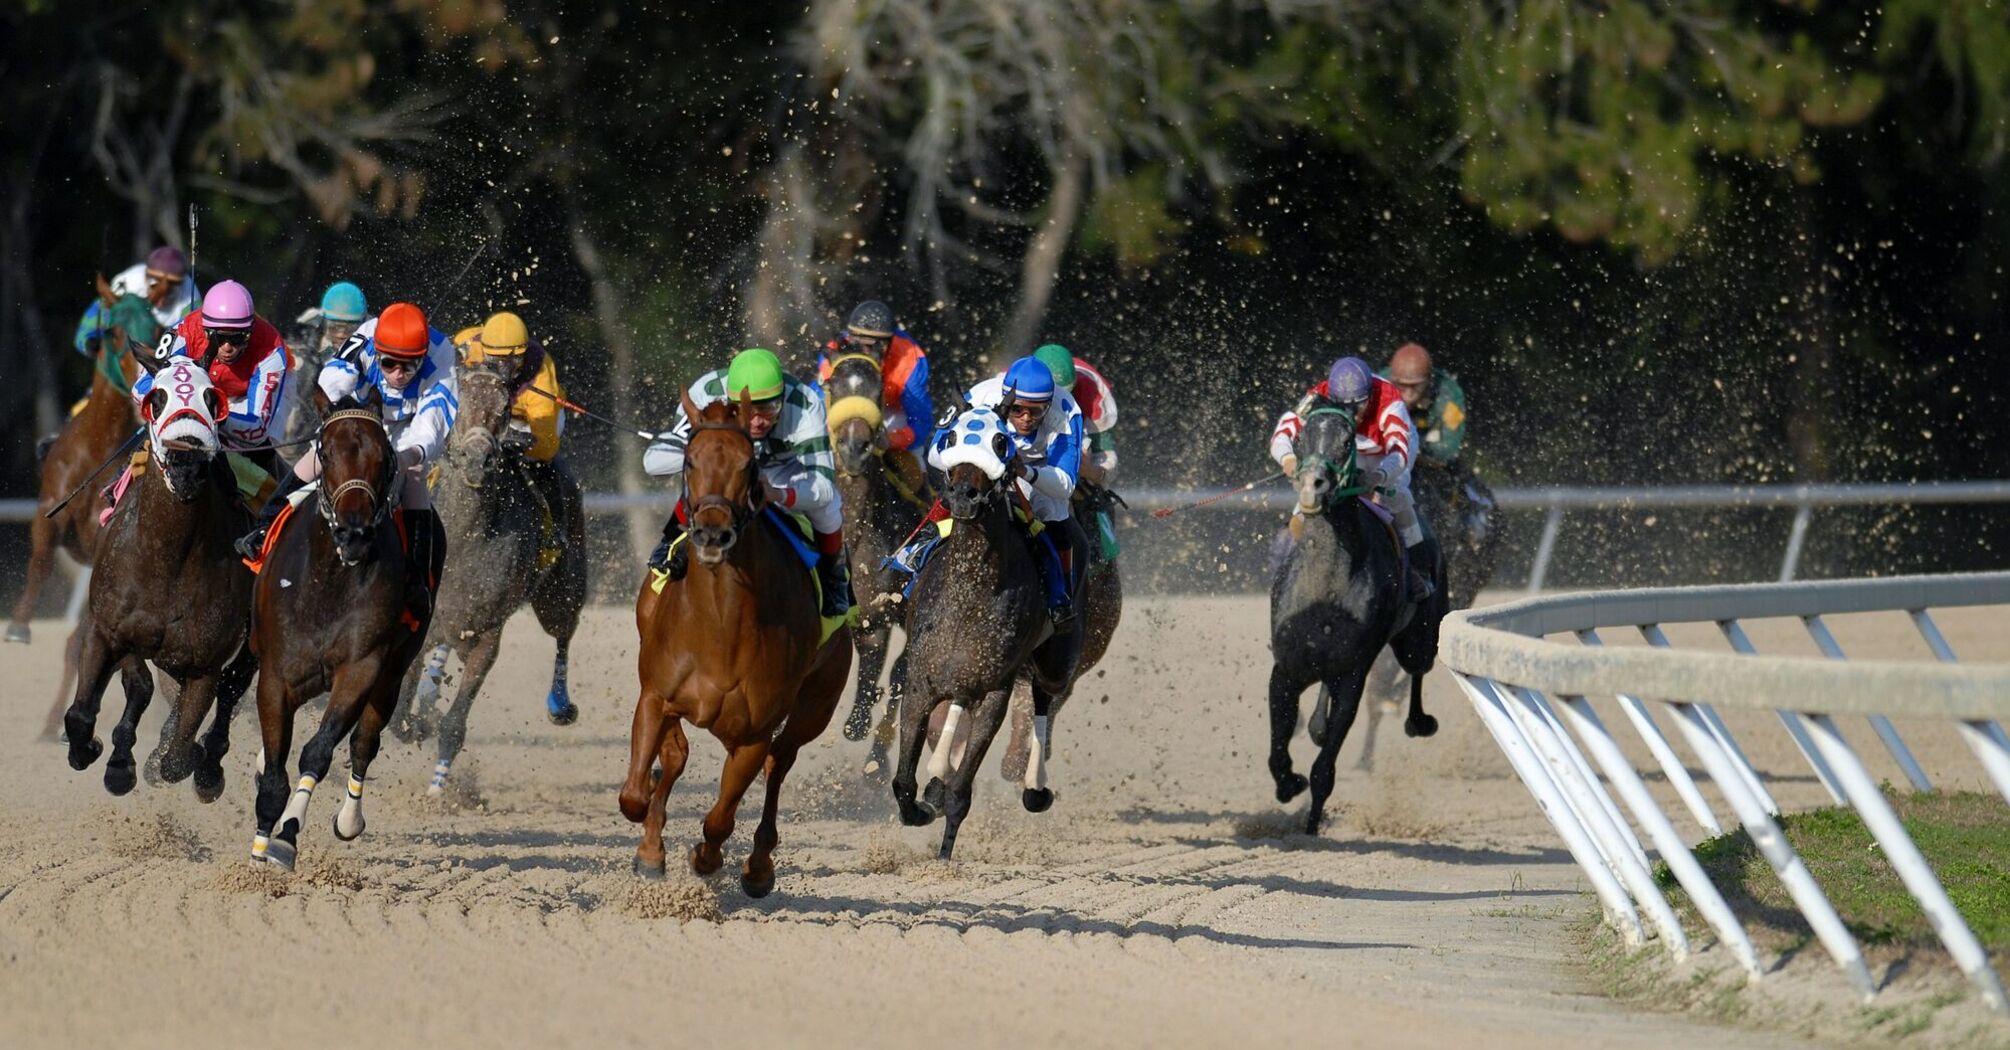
[{"x": 796, "y": 531}]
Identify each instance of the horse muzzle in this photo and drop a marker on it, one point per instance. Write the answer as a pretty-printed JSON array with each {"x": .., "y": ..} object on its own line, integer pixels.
[
  {"x": 964, "y": 501},
  {"x": 709, "y": 543},
  {"x": 352, "y": 543},
  {"x": 1315, "y": 487}
]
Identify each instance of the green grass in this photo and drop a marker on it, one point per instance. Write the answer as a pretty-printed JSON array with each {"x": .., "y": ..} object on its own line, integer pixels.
[{"x": 1965, "y": 837}]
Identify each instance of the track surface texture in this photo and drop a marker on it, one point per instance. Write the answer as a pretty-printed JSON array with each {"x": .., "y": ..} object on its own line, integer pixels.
[{"x": 1165, "y": 898}]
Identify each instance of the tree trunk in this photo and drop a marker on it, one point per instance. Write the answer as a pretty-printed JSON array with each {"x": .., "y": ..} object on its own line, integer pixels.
[
  {"x": 781, "y": 300},
  {"x": 1040, "y": 269},
  {"x": 625, "y": 378}
]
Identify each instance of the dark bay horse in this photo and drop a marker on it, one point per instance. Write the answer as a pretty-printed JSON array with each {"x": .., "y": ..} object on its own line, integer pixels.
[
  {"x": 168, "y": 589},
  {"x": 85, "y": 441},
  {"x": 733, "y": 647},
  {"x": 495, "y": 524},
  {"x": 879, "y": 513},
  {"x": 329, "y": 615},
  {"x": 1336, "y": 601},
  {"x": 976, "y": 623}
]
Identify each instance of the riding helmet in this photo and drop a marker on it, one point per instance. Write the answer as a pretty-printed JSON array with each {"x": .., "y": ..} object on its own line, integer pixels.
[
  {"x": 227, "y": 305},
  {"x": 1028, "y": 380},
  {"x": 872, "y": 319},
  {"x": 505, "y": 334},
  {"x": 1060, "y": 362},
  {"x": 1350, "y": 381},
  {"x": 755, "y": 372},
  {"x": 168, "y": 261},
  {"x": 1411, "y": 365},
  {"x": 344, "y": 301},
  {"x": 402, "y": 331}
]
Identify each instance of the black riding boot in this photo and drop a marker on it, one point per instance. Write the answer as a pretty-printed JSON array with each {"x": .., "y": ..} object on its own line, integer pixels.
[
  {"x": 252, "y": 543},
  {"x": 425, "y": 553},
  {"x": 670, "y": 557},
  {"x": 834, "y": 573},
  {"x": 1422, "y": 556}
]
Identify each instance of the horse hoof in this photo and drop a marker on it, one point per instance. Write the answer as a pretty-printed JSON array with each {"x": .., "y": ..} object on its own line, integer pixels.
[
  {"x": 859, "y": 723},
  {"x": 18, "y": 632},
  {"x": 563, "y": 716},
  {"x": 82, "y": 755},
  {"x": 1037, "y": 800},
  {"x": 1290, "y": 786},
  {"x": 935, "y": 797},
  {"x": 355, "y": 833},
  {"x": 758, "y": 888},
  {"x": 705, "y": 864},
  {"x": 120, "y": 777},
  {"x": 648, "y": 872},
  {"x": 912, "y": 815},
  {"x": 209, "y": 785},
  {"x": 1422, "y": 725},
  {"x": 280, "y": 853},
  {"x": 1312, "y": 823}
]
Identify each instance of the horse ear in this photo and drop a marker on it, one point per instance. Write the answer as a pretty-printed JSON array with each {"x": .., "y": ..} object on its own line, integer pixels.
[
  {"x": 105, "y": 291},
  {"x": 322, "y": 406},
  {"x": 744, "y": 410},
  {"x": 150, "y": 358},
  {"x": 690, "y": 407}
]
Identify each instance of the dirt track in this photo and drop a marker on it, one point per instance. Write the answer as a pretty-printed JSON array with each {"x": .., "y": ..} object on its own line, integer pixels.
[{"x": 1164, "y": 899}]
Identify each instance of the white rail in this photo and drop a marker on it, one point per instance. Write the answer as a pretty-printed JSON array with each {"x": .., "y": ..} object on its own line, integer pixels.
[{"x": 1518, "y": 680}]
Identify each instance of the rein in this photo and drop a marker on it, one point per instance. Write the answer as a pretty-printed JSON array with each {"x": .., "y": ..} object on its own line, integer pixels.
[
  {"x": 385, "y": 502},
  {"x": 1347, "y": 468},
  {"x": 742, "y": 513}
]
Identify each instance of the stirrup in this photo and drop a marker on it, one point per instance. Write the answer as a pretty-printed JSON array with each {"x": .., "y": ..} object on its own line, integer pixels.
[
  {"x": 250, "y": 545},
  {"x": 669, "y": 560},
  {"x": 1061, "y": 616}
]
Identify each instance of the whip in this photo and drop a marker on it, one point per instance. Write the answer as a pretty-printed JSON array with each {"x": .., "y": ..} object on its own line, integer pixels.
[
  {"x": 646, "y": 435},
  {"x": 1167, "y": 512}
]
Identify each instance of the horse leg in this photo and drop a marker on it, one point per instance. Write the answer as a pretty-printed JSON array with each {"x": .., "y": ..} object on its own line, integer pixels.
[
  {"x": 276, "y": 707},
  {"x": 871, "y": 647},
  {"x": 742, "y": 763},
  {"x": 650, "y": 862},
  {"x": 363, "y": 743},
  {"x": 417, "y": 716},
  {"x": 879, "y": 758},
  {"x": 138, "y": 680},
  {"x": 207, "y": 755},
  {"x": 1346, "y": 704},
  {"x": 914, "y": 713},
  {"x": 558, "y": 705},
  {"x": 73, "y": 648},
  {"x": 454, "y": 727},
  {"x": 1034, "y": 793},
  {"x": 557, "y": 602},
  {"x": 1018, "y": 740},
  {"x": 962, "y": 784},
  {"x": 95, "y": 663},
  {"x": 41, "y": 558},
  {"x": 177, "y": 746},
  {"x": 346, "y": 695},
  {"x": 1284, "y": 691},
  {"x": 645, "y": 740},
  {"x": 757, "y": 879}
]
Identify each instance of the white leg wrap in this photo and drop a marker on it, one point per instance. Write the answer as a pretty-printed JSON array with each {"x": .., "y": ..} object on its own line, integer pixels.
[
  {"x": 349, "y": 820},
  {"x": 439, "y": 783},
  {"x": 1036, "y": 755},
  {"x": 938, "y": 761},
  {"x": 296, "y": 807},
  {"x": 429, "y": 677},
  {"x": 259, "y": 843}
]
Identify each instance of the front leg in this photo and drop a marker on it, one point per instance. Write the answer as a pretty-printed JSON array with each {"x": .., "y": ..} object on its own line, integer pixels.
[
  {"x": 1346, "y": 693},
  {"x": 138, "y": 680},
  {"x": 1284, "y": 690},
  {"x": 215, "y": 744},
  {"x": 914, "y": 712},
  {"x": 95, "y": 663}
]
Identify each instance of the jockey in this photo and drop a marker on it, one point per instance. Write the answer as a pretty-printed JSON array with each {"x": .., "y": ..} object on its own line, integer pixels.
[
  {"x": 792, "y": 445},
  {"x": 248, "y": 364},
  {"x": 1098, "y": 403},
  {"x": 1383, "y": 442},
  {"x": 411, "y": 366},
  {"x": 536, "y": 424},
  {"x": 1435, "y": 401},
  {"x": 910, "y": 413},
  {"x": 329, "y": 326},
  {"x": 162, "y": 280},
  {"x": 1046, "y": 429}
]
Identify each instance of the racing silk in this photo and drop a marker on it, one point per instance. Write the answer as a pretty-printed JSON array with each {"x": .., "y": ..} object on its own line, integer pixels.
[
  {"x": 535, "y": 368},
  {"x": 1382, "y": 429},
  {"x": 254, "y": 385},
  {"x": 419, "y": 416},
  {"x": 133, "y": 281},
  {"x": 795, "y": 456},
  {"x": 1099, "y": 415},
  {"x": 1053, "y": 453},
  {"x": 1443, "y": 422},
  {"x": 910, "y": 412}
]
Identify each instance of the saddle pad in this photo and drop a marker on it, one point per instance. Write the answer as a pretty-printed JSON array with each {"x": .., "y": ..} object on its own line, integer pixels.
[
  {"x": 272, "y": 534},
  {"x": 116, "y": 491}
]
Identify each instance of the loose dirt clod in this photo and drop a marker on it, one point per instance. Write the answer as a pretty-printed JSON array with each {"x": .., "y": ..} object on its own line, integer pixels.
[{"x": 683, "y": 900}]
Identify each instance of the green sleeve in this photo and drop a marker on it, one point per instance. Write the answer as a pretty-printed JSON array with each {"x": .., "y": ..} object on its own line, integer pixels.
[{"x": 1448, "y": 420}]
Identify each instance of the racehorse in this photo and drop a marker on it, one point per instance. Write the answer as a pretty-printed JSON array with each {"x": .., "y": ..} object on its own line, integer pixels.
[
  {"x": 733, "y": 647},
  {"x": 1337, "y": 599},
  {"x": 330, "y": 614},
  {"x": 976, "y": 623},
  {"x": 85, "y": 441},
  {"x": 1102, "y": 605},
  {"x": 879, "y": 512},
  {"x": 496, "y": 525},
  {"x": 168, "y": 589}
]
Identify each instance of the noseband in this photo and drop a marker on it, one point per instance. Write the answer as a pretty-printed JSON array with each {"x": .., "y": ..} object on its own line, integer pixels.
[
  {"x": 742, "y": 512},
  {"x": 383, "y": 502}
]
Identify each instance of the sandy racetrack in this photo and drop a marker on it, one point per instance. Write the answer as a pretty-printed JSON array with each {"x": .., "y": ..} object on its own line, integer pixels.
[{"x": 1164, "y": 898}]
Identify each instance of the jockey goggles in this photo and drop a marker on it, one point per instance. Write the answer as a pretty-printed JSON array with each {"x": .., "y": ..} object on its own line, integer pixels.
[
  {"x": 227, "y": 336},
  {"x": 388, "y": 362},
  {"x": 1021, "y": 408}
]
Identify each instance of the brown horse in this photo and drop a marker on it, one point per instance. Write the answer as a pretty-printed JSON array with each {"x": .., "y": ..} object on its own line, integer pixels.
[
  {"x": 169, "y": 589},
  {"x": 732, "y": 647},
  {"x": 83, "y": 444},
  {"x": 329, "y": 615},
  {"x": 976, "y": 624},
  {"x": 879, "y": 513}
]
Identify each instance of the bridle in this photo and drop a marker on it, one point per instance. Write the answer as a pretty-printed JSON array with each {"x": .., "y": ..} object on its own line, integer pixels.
[
  {"x": 483, "y": 437},
  {"x": 384, "y": 501},
  {"x": 879, "y": 373},
  {"x": 1346, "y": 470},
  {"x": 742, "y": 512}
]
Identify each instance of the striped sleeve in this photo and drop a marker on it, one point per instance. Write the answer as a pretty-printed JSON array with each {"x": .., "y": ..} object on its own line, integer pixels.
[
  {"x": 806, "y": 468},
  {"x": 665, "y": 455}
]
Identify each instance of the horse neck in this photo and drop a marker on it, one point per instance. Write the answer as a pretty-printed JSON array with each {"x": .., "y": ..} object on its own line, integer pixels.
[
  {"x": 466, "y": 511},
  {"x": 867, "y": 498},
  {"x": 748, "y": 577},
  {"x": 1339, "y": 534},
  {"x": 201, "y": 518},
  {"x": 993, "y": 531}
]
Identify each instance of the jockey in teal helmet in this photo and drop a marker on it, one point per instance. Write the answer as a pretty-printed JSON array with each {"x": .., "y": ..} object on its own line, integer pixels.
[{"x": 330, "y": 325}]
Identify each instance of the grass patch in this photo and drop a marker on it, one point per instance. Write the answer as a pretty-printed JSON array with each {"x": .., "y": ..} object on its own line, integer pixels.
[{"x": 1965, "y": 837}]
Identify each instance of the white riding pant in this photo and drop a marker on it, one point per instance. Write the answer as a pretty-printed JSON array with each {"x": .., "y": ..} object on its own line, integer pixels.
[
  {"x": 826, "y": 519},
  {"x": 1396, "y": 496},
  {"x": 1045, "y": 507},
  {"x": 413, "y": 495}
]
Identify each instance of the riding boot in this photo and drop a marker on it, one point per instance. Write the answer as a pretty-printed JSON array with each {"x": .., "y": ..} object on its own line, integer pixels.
[
  {"x": 1419, "y": 587},
  {"x": 835, "y": 577},
  {"x": 425, "y": 551},
  {"x": 252, "y": 543},
  {"x": 1054, "y": 570},
  {"x": 670, "y": 557}
]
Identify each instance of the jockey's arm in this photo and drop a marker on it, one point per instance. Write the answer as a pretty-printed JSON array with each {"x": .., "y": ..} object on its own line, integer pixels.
[
  {"x": 425, "y": 437},
  {"x": 1284, "y": 438},
  {"x": 541, "y": 413},
  {"x": 915, "y": 404},
  {"x": 665, "y": 456},
  {"x": 1056, "y": 476},
  {"x": 340, "y": 377},
  {"x": 806, "y": 471},
  {"x": 265, "y": 399}
]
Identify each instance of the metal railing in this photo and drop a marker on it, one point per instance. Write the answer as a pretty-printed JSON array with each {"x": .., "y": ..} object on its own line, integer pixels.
[{"x": 1527, "y": 689}]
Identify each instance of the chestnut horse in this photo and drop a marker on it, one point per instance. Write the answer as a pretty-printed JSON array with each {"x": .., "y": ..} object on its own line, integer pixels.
[
  {"x": 169, "y": 589},
  {"x": 329, "y": 615},
  {"x": 85, "y": 441},
  {"x": 732, "y": 647}
]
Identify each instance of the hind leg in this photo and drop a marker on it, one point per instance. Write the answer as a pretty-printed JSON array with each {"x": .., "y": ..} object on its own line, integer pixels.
[
  {"x": 742, "y": 764},
  {"x": 557, "y": 602},
  {"x": 879, "y": 757},
  {"x": 1034, "y": 793},
  {"x": 138, "y": 681},
  {"x": 454, "y": 727},
  {"x": 177, "y": 747},
  {"x": 675, "y": 750},
  {"x": 1346, "y": 692},
  {"x": 417, "y": 716},
  {"x": 1284, "y": 690},
  {"x": 73, "y": 647},
  {"x": 209, "y": 752},
  {"x": 962, "y": 782},
  {"x": 276, "y": 707},
  {"x": 95, "y": 663},
  {"x": 914, "y": 712}
]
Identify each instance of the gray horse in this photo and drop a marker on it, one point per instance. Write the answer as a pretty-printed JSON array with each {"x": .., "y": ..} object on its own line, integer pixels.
[{"x": 496, "y": 525}]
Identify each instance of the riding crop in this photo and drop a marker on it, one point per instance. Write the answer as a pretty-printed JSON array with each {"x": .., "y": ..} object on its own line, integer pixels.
[
  {"x": 646, "y": 435},
  {"x": 1167, "y": 512}
]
